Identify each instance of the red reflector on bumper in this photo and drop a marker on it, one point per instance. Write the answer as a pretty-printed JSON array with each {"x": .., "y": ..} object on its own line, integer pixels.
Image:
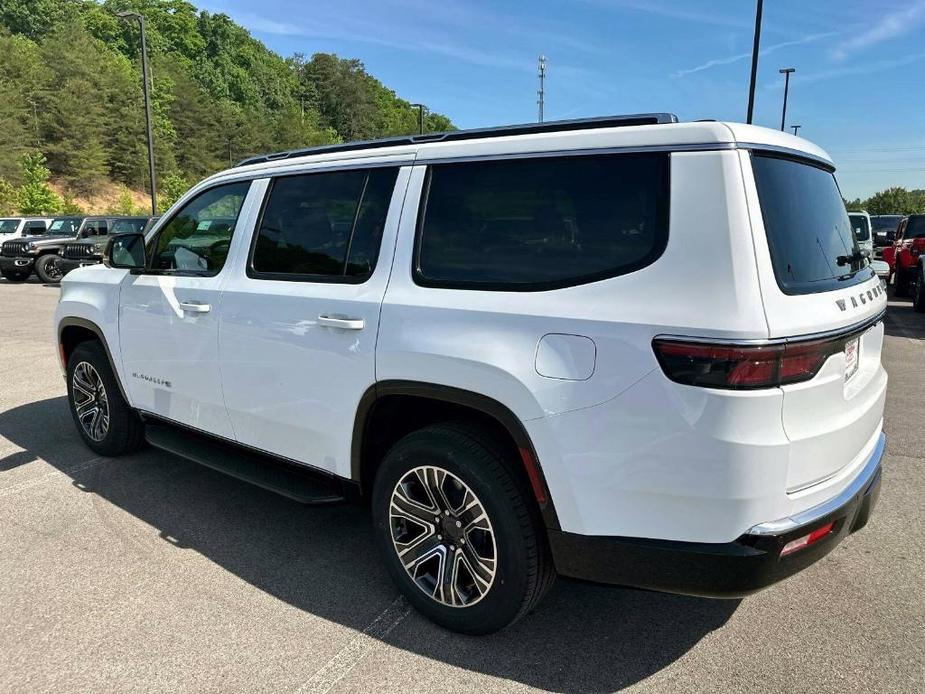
[{"x": 807, "y": 540}]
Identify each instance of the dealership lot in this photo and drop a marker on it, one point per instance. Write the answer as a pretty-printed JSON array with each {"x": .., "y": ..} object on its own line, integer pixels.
[{"x": 150, "y": 573}]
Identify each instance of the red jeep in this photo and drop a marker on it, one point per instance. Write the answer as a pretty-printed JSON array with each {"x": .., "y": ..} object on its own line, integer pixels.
[{"x": 909, "y": 245}]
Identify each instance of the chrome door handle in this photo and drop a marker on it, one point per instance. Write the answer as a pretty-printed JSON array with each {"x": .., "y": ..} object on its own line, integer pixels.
[
  {"x": 342, "y": 322},
  {"x": 195, "y": 306}
]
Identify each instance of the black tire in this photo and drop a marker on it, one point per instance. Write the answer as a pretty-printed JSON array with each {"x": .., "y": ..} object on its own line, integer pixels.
[
  {"x": 46, "y": 267},
  {"x": 524, "y": 569},
  {"x": 918, "y": 295},
  {"x": 901, "y": 286},
  {"x": 13, "y": 276},
  {"x": 125, "y": 430}
]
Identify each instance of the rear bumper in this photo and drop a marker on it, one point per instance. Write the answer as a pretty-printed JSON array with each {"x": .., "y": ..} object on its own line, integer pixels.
[
  {"x": 17, "y": 264},
  {"x": 723, "y": 570}
]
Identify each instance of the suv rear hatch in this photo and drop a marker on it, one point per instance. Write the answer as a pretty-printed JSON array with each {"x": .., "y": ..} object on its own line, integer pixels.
[{"x": 816, "y": 285}]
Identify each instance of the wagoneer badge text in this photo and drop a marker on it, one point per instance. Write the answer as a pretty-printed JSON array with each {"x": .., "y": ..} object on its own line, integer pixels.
[{"x": 152, "y": 380}]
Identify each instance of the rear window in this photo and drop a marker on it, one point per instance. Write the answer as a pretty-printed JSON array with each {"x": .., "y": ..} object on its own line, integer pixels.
[
  {"x": 915, "y": 228},
  {"x": 888, "y": 223},
  {"x": 813, "y": 247},
  {"x": 542, "y": 223},
  {"x": 860, "y": 226}
]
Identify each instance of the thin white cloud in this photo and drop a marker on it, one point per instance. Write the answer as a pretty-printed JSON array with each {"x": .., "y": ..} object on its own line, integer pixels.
[
  {"x": 889, "y": 26},
  {"x": 867, "y": 68},
  {"x": 674, "y": 10},
  {"x": 743, "y": 56},
  {"x": 357, "y": 32}
]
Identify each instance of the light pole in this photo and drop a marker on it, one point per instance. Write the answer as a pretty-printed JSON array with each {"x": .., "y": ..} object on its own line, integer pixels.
[
  {"x": 420, "y": 108},
  {"x": 786, "y": 72},
  {"x": 541, "y": 92},
  {"x": 127, "y": 15},
  {"x": 755, "y": 47},
  {"x": 796, "y": 128}
]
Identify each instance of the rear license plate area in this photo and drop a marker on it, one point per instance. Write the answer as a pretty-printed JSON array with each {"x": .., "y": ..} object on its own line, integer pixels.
[{"x": 852, "y": 357}]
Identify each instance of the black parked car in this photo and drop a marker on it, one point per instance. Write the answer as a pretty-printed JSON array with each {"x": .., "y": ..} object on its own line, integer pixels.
[
  {"x": 884, "y": 229},
  {"x": 89, "y": 251}
]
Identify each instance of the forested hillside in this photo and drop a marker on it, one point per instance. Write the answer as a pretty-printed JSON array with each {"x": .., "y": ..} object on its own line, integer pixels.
[{"x": 70, "y": 89}]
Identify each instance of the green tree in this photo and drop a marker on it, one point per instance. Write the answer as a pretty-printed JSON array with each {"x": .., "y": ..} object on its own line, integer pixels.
[
  {"x": 69, "y": 206},
  {"x": 70, "y": 87},
  {"x": 77, "y": 122},
  {"x": 125, "y": 204},
  {"x": 23, "y": 78},
  {"x": 34, "y": 195},
  {"x": 8, "y": 198},
  {"x": 172, "y": 187},
  {"x": 894, "y": 200}
]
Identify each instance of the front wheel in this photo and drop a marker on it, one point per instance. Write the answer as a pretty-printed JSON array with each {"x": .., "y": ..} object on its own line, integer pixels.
[
  {"x": 14, "y": 276},
  {"x": 458, "y": 531},
  {"x": 918, "y": 292},
  {"x": 103, "y": 418},
  {"x": 47, "y": 269}
]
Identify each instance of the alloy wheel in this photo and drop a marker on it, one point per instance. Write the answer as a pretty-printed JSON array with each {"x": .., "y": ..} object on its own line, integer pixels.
[
  {"x": 443, "y": 536},
  {"x": 91, "y": 404},
  {"x": 54, "y": 272}
]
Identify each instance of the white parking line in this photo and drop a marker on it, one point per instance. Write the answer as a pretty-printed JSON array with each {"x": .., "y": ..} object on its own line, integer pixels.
[{"x": 355, "y": 650}]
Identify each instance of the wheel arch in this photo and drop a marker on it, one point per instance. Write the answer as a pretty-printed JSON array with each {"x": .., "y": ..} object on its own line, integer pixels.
[
  {"x": 72, "y": 331},
  {"x": 377, "y": 426}
]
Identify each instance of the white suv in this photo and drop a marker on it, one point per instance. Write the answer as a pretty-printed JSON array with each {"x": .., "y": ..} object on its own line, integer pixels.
[{"x": 629, "y": 350}]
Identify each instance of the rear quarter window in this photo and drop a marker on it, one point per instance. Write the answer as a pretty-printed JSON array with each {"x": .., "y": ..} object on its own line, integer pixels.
[
  {"x": 813, "y": 247},
  {"x": 541, "y": 223}
]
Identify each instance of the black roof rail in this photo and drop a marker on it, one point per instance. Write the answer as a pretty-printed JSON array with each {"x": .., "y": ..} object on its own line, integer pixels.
[{"x": 476, "y": 133}]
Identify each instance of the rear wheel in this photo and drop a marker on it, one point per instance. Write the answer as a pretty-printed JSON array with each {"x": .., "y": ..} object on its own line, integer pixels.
[
  {"x": 47, "y": 269},
  {"x": 457, "y": 530},
  {"x": 918, "y": 291},
  {"x": 104, "y": 420},
  {"x": 14, "y": 276}
]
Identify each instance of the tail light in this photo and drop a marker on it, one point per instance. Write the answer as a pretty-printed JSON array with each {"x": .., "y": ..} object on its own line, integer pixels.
[
  {"x": 917, "y": 247},
  {"x": 743, "y": 367}
]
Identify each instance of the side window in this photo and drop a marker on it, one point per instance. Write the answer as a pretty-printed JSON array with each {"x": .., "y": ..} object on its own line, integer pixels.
[
  {"x": 323, "y": 226},
  {"x": 36, "y": 225},
  {"x": 94, "y": 227},
  {"x": 198, "y": 236},
  {"x": 543, "y": 223}
]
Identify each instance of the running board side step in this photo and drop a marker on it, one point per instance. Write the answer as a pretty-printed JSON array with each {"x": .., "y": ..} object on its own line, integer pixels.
[{"x": 286, "y": 479}]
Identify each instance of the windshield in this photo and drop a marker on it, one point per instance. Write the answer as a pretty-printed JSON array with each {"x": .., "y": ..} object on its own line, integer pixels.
[
  {"x": 813, "y": 247},
  {"x": 915, "y": 228},
  {"x": 64, "y": 226},
  {"x": 860, "y": 225},
  {"x": 8, "y": 226},
  {"x": 885, "y": 222},
  {"x": 128, "y": 226}
]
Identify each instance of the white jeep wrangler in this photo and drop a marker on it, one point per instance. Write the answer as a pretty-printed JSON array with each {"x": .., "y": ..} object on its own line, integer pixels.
[{"x": 629, "y": 350}]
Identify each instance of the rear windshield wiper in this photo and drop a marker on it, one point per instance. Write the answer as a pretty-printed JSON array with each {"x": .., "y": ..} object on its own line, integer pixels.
[{"x": 857, "y": 256}]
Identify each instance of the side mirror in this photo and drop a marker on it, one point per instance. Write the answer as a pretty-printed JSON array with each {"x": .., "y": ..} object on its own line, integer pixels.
[
  {"x": 126, "y": 252},
  {"x": 865, "y": 253}
]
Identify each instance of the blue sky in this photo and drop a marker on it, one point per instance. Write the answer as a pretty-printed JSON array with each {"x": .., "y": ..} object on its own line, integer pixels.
[{"x": 859, "y": 89}]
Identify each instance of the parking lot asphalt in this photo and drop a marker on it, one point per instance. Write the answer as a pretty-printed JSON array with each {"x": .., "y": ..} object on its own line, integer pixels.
[{"x": 150, "y": 573}]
